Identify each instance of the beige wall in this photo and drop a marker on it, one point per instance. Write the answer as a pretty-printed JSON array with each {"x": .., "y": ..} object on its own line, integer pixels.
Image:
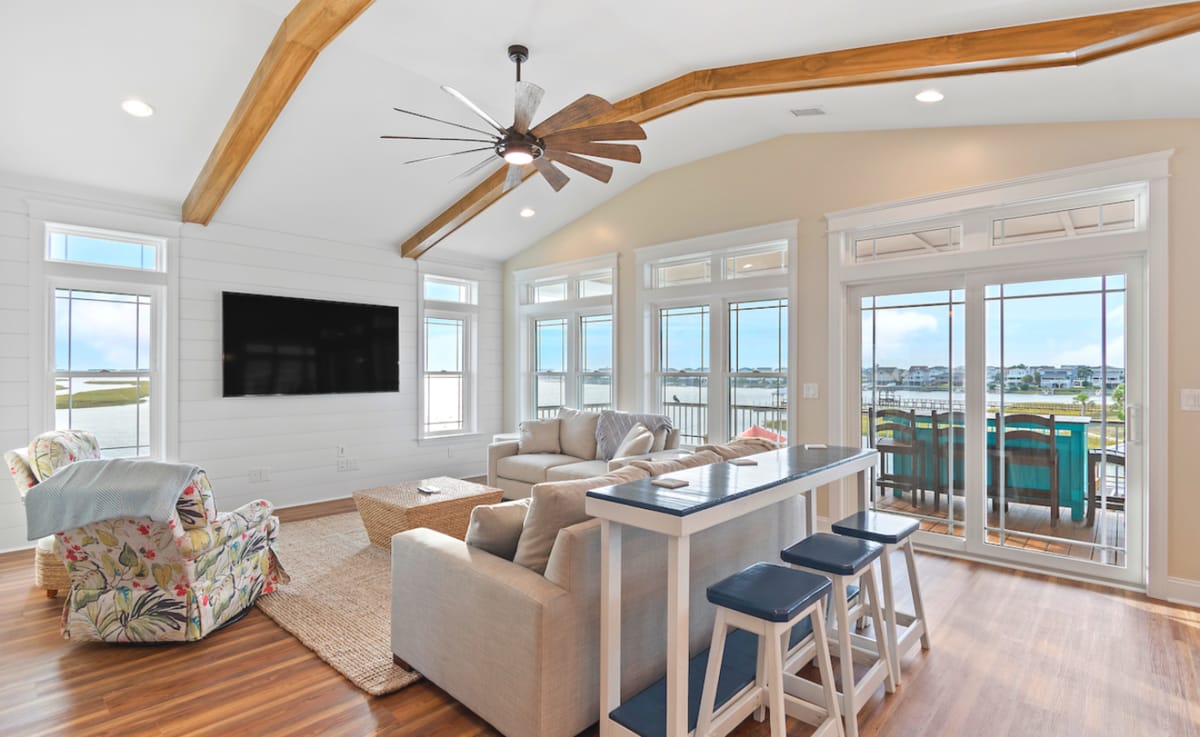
[{"x": 805, "y": 176}]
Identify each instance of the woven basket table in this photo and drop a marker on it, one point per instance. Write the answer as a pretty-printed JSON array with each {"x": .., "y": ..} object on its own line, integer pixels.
[
  {"x": 386, "y": 510},
  {"x": 49, "y": 571}
]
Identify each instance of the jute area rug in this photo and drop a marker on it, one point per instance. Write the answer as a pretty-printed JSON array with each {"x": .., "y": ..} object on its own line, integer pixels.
[{"x": 338, "y": 603}]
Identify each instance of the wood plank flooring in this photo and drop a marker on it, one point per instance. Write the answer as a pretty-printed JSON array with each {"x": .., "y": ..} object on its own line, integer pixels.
[{"x": 1013, "y": 654}]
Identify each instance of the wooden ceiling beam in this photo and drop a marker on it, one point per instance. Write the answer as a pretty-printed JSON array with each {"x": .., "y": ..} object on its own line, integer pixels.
[
  {"x": 1057, "y": 43},
  {"x": 306, "y": 30}
]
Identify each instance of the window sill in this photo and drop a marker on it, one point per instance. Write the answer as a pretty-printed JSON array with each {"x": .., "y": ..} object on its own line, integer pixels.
[{"x": 464, "y": 438}]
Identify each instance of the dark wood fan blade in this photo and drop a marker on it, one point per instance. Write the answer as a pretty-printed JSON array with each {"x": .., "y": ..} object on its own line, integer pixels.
[
  {"x": 618, "y": 151},
  {"x": 516, "y": 174},
  {"x": 552, "y": 173},
  {"x": 593, "y": 169},
  {"x": 446, "y": 156},
  {"x": 583, "y": 109},
  {"x": 529, "y": 96},
  {"x": 439, "y": 120},
  {"x": 624, "y": 130},
  {"x": 436, "y": 138},
  {"x": 481, "y": 165},
  {"x": 475, "y": 109}
]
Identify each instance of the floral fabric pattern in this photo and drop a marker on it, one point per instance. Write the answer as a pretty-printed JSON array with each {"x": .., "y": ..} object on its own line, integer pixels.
[
  {"x": 135, "y": 580},
  {"x": 51, "y": 451},
  {"x": 21, "y": 472}
]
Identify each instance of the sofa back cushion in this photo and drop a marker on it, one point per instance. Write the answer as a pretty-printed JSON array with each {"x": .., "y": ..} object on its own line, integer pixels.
[
  {"x": 558, "y": 504},
  {"x": 739, "y": 447},
  {"x": 52, "y": 450},
  {"x": 577, "y": 433},
  {"x": 658, "y": 468},
  {"x": 613, "y": 426},
  {"x": 496, "y": 528},
  {"x": 538, "y": 436}
]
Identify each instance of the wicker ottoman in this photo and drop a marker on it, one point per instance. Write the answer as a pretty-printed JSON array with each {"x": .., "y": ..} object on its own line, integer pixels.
[{"x": 386, "y": 510}]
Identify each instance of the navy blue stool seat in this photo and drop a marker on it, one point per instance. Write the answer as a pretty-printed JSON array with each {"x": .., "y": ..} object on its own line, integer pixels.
[
  {"x": 833, "y": 554},
  {"x": 893, "y": 531},
  {"x": 878, "y": 527},
  {"x": 768, "y": 591}
]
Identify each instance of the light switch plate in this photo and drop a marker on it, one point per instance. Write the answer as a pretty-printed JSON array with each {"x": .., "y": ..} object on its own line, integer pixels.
[
  {"x": 1189, "y": 400},
  {"x": 811, "y": 391}
]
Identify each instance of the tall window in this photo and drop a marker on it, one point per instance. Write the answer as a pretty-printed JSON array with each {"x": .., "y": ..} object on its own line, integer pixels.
[
  {"x": 595, "y": 361},
  {"x": 758, "y": 358},
  {"x": 683, "y": 369},
  {"x": 104, "y": 328},
  {"x": 447, "y": 378},
  {"x": 550, "y": 366}
]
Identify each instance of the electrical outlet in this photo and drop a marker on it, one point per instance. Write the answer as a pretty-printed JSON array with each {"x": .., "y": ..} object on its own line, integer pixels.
[
  {"x": 260, "y": 475},
  {"x": 811, "y": 391},
  {"x": 341, "y": 451},
  {"x": 1189, "y": 400}
]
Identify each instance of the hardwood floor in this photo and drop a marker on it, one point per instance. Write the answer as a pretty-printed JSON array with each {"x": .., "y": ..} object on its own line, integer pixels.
[{"x": 1013, "y": 654}]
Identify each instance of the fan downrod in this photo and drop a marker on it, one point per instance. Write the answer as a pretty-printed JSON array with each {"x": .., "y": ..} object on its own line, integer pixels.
[{"x": 518, "y": 54}]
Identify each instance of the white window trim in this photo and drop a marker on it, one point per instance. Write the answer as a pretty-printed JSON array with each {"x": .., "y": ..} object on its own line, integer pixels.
[
  {"x": 717, "y": 294},
  {"x": 163, "y": 284},
  {"x": 1145, "y": 177},
  {"x": 470, "y": 314}
]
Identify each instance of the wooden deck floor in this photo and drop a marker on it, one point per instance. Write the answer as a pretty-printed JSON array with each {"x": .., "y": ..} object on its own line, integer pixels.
[{"x": 1013, "y": 654}]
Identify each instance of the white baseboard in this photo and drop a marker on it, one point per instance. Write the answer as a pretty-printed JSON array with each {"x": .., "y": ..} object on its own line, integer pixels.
[{"x": 1182, "y": 591}]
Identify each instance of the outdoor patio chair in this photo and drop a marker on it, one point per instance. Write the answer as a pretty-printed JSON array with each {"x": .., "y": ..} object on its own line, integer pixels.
[
  {"x": 1029, "y": 445},
  {"x": 893, "y": 432}
]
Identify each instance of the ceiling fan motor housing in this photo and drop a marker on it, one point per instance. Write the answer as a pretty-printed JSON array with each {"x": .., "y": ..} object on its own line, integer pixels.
[{"x": 516, "y": 143}]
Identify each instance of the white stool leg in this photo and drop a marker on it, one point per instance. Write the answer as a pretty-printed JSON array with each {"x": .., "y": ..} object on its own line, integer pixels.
[
  {"x": 845, "y": 656},
  {"x": 774, "y": 682},
  {"x": 760, "y": 676},
  {"x": 825, "y": 667},
  {"x": 716, "y": 653},
  {"x": 889, "y": 609},
  {"x": 867, "y": 581},
  {"x": 918, "y": 605}
]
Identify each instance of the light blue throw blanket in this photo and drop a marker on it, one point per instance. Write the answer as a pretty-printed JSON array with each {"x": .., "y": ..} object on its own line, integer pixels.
[{"x": 89, "y": 491}]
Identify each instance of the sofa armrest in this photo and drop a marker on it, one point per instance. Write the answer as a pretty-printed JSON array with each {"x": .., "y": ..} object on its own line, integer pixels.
[
  {"x": 249, "y": 517},
  {"x": 496, "y": 451},
  {"x": 484, "y": 629}
]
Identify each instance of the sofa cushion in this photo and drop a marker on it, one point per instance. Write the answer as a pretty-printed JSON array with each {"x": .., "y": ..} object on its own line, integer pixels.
[
  {"x": 613, "y": 426},
  {"x": 496, "y": 528},
  {"x": 658, "y": 468},
  {"x": 739, "y": 447},
  {"x": 580, "y": 470},
  {"x": 52, "y": 450},
  {"x": 531, "y": 467},
  {"x": 556, "y": 505},
  {"x": 638, "y": 441},
  {"x": 538, "y": 436},
  {"x": 577, "y": 432},
  {"x": 660, "y": 439}
]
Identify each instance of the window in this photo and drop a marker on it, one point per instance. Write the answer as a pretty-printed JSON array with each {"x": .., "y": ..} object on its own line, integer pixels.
[
  {"x": 758, "y": 357},
  {"x": 104, "y": 320},
  {"x": 918, "y": 243},
  {"x": 1069, "y": 223},
  {"x": 683, "y": 369},
  {"x": 569, "y": 353},
  {"x": 447, "y": 343}
]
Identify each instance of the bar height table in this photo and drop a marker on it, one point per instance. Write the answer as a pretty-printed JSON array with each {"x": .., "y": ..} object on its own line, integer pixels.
[{"x": 714, "y": 494}]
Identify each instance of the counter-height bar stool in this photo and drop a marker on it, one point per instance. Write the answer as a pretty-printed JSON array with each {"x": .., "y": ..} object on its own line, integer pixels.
[
  {"x": 892, "y": 531},
  {"x": 846, "y": 561},
  {"x": 769, "y": 600}
]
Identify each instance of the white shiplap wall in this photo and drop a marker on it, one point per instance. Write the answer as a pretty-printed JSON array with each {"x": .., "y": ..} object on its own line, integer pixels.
[{"x": 295, "y": 437}]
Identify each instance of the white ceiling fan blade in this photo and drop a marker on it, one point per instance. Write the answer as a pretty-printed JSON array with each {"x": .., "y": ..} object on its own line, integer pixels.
[
  {"x": 476, "y": 109},
  {"x": 529, "y": 96},
  {"x": 481, "y": 165},
  {"x": 516, "y": 174}
]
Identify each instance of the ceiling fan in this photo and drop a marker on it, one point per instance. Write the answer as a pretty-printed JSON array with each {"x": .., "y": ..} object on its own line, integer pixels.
[{"x": 560, "y": 138}]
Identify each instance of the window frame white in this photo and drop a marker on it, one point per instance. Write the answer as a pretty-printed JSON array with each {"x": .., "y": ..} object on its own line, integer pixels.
[{"x": 468, "y": 312}]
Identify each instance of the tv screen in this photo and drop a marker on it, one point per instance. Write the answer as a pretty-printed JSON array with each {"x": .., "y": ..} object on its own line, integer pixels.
[{"x": 287, "y": 345}]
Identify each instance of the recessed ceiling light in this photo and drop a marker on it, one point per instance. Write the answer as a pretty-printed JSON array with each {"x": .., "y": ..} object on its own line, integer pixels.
[
  {"x": 930, "y": 95},
  {"x": 528, "y": 212},
  {"x": 137, "y": 108}
]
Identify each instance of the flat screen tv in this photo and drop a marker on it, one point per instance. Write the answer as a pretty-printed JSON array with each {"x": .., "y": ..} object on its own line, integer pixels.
[{"x": 288, "y": 345}]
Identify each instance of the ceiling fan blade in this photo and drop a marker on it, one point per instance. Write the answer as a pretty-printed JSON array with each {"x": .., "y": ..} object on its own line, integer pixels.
[
  {"x": 475, "y": 109},
  {"x": 439, "y": 120},
  {"x": 529, "y": 96},
  {"x": 583, "y": 109},
  {"x": 623, "y": 130},
  {"x": 516, "y": 174},
  {"x": 435, "y": 138},
  {"x": 593, "y": 169},
  {"x": 446, "y": 156},
  {"x": 480, "y": 166},
  {"x": 618, "y": 151},
  {"x": 552, "y": 173}
]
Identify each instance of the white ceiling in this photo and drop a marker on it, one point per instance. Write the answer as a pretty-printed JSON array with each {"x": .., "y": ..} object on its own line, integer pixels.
[{"x": 323, "y": 171}]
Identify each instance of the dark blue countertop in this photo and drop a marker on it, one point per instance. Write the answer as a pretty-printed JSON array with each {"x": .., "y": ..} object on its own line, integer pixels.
[{"x": 719, "y": 483}]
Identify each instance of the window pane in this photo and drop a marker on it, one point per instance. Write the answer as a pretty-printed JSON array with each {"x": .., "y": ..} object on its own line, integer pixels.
[
  {"x": 919, "y": 243},
  {"x": 687, "y": 272},
  {"x": 1113, "y": 216},
  {"x": 597, "y": 342},
  {"x": 758, "y": 407},
  {"x": 99, "y": 331},
  {"x": 685, "y": 400},
  {"x": 550, "y": 344},
  {"x": 103, "y": 251},
  {"x": 599, "y": 285},
  {"x": 114, "y": 408},
  {"x": 552, "y": 292},
  {"x": 757, "y": 264},
  {"x": 758, "y": 336},
  {"x": 683, "y": 339},
  {"x": 442, "y": 289},
  {"x": 550, "y": 393},
  {"x": 444, "y": 341},
  {"x": 443, "y": 402}
]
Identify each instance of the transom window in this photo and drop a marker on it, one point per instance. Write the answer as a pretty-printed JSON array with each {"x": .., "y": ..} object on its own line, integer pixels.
[{"x": 86, "y": 246}]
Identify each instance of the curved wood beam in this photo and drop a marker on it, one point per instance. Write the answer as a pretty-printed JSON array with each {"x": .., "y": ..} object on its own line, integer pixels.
[
  {"x": 1035, "y": 46},
  {"x": 306, "y": 30}
]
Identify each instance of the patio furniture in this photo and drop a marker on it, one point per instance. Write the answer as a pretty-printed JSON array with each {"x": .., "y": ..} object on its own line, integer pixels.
[
  {"x": 893, "y": 432},
  {"x": 1114, "y": 455},
  {"x": 948, "y": 456},
  {"x": 386, "y": 510},
  {"x": 1030, "y": 444}
]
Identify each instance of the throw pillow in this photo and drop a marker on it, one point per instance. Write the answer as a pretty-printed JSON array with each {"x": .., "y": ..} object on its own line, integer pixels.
[
  {"x": 538, "y": 436},
  {"x": 577, "y": 432},
  {"x": 555, "y": 505},
  {"x": 660, "y": 439},
  {"x": 638, "y": 441},
  {"x": 496, "y": 528},
  {"x": 613, "y": 426}
]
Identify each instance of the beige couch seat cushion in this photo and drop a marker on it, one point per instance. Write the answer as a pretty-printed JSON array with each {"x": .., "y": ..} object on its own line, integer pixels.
[
  {"x": 638, "y": 441},
  {"x": 557, "y": 505},
  {"x": 538, "y": 436},
  {"x": 531, "y": 467},
  {"x": 496, "y": 528},
  {"x": 580, "y": 470},
  {"x": 577, "y": 432}
]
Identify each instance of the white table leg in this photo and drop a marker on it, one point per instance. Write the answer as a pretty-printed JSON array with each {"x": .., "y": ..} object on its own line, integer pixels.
[
  {"x": 679, "y": 554},
  {"x": 864, "y": 485},
  {"x": 610, "y": 622},
  {"x": 810, "y": 513}
]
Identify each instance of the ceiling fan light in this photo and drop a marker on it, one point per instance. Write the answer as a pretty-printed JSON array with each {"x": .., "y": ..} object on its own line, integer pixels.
[{"x": 518, "y": 157}]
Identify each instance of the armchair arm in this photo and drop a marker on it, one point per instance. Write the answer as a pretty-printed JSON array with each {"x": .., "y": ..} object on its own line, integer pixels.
[
  {"x": 496, "y": 451},
  {"x": 250, "y": 516}
]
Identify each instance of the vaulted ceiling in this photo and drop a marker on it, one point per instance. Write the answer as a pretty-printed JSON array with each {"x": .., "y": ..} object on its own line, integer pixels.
[{"x": 322, "y": 170}]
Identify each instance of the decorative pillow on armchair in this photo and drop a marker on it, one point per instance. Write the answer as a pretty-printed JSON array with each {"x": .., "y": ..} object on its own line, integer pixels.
[{"x": 496, "y": 528}]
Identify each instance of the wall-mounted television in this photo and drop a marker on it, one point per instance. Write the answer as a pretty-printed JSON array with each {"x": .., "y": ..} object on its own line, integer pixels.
[{"x": 288, "y": 345}]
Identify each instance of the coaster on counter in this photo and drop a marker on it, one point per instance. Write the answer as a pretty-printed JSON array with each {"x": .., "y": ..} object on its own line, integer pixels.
[
  {"x": 742, "y": 462},
  {"x": 669, "y": 483},
  {"x": 815, "y": 446}
]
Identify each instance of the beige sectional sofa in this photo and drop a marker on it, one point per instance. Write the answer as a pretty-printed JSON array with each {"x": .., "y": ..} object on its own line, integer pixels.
[
  {"x": 520, "y": 648},
  {"x": 578, "y": 453}
]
